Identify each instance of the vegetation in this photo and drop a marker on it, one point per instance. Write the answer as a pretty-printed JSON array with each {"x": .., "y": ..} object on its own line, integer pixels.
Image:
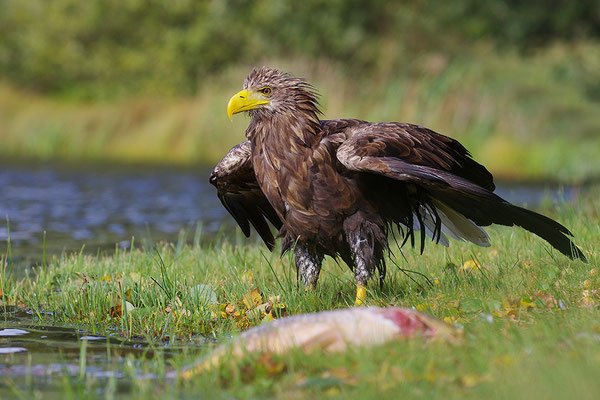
[
  {"x": 102, "y": 49},
  {"x": 90, "y": 81},
  {"x": 530, "y": 318},
  {"x": 530, "y": 117}
]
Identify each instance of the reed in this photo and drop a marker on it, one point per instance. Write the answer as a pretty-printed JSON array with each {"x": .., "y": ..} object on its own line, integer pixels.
[{"x": 523, "y": 116}]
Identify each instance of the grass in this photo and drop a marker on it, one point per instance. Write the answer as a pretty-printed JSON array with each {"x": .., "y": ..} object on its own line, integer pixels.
[
  {"x": 530, "y": 317},
  {"x": 516, "y": 113}
]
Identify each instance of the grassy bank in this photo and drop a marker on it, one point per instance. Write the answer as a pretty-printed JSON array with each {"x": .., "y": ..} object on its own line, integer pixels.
[
  {"x": 530, "y": 317},
  {"x": 525, "y": 116}
]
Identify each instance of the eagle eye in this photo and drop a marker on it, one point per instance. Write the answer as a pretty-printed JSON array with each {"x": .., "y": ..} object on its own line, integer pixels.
[{"x": 266, "y": 91}]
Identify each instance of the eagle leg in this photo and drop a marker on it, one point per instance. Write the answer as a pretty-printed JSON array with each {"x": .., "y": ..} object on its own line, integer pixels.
[
  {"x": 308, "y": 263},
  {"x": 366, "y": 241}
]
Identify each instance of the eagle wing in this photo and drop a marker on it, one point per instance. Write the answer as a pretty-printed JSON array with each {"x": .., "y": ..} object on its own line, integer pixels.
[
  {"x": 410, "y": 152},
  {"x": 240, "y": 194},
  {"x": 456, "y": 192}
]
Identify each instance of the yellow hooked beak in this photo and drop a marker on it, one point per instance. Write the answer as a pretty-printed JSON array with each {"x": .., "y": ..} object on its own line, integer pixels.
[{"x": 244, "y": 101}]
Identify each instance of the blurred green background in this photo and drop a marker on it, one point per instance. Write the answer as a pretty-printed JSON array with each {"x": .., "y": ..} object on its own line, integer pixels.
[{"x": 134, "y": 81}]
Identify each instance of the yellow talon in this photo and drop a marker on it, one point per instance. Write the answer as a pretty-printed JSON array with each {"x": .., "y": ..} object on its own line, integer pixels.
[{"x": 361, "y": 295}]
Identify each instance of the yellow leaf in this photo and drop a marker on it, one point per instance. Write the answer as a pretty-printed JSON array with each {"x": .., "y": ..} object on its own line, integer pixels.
[
  {"x": 252, "y": 298},
  {"x": 450, "y": 320},
  {"x": 268, "y": 317},
  {"x": 469, "y": 266},
  {"x": 588, "y": 302},
  {"x": 230, "y": 308},
  {"x": 526, "y": 304}
]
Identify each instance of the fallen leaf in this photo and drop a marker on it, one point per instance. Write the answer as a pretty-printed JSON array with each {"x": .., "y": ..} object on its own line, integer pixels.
[
  {"x": 469, "y": 266},
  {"x": 232, "y": 311},
  {"x": 252, "y": 298},
  {"x": 450, "y": 320},
  {"x": 230, "y": 308},
  {"x": 587, "y": 302},
  {"x": 117, "y": 311},
  {"x": 267, "y": 318},
  {"x": 527, "y": 304},
  {"x": 203, "y": 294}
]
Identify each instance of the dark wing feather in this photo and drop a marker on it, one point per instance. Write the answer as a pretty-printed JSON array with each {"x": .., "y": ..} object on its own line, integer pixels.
[
  {"x": 414, "y": 145},
  {"x": 240, "y": 194},
  {"x": 446, "y": 172}
]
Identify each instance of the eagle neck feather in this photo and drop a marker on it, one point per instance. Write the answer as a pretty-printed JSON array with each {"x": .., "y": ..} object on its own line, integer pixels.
[{"x": 291, "y": 130}]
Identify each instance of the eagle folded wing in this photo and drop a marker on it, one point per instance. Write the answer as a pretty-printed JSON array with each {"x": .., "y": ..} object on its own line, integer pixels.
[
  {"x": 412, "y": 151},
  {"x": 239, "y": 192},
  {"x": 457, "y": 193}
]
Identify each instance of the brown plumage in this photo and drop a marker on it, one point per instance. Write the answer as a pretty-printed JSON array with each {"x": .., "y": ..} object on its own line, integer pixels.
[{"x": 338, "y": 187}]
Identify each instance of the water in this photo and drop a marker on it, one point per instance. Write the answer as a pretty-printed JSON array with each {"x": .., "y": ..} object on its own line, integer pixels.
[
  {"x": 42, "y": 354},
  {"x": 101, "y": 207}
]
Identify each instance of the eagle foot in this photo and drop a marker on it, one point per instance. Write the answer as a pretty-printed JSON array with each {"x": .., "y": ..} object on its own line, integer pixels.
[{"x": 361, "y": 295}]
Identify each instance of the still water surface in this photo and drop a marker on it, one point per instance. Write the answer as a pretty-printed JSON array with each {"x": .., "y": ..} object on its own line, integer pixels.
[{"x": 103, "y": 206}]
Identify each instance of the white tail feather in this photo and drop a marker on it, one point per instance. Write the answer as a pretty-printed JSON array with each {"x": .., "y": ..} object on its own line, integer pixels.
[
  {"x": 460, "y": 227},
  {"x": 429, "y": 222}
]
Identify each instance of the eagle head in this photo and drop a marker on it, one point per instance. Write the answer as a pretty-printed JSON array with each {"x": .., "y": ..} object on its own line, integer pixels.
[{"x": 268, "y": 91}]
